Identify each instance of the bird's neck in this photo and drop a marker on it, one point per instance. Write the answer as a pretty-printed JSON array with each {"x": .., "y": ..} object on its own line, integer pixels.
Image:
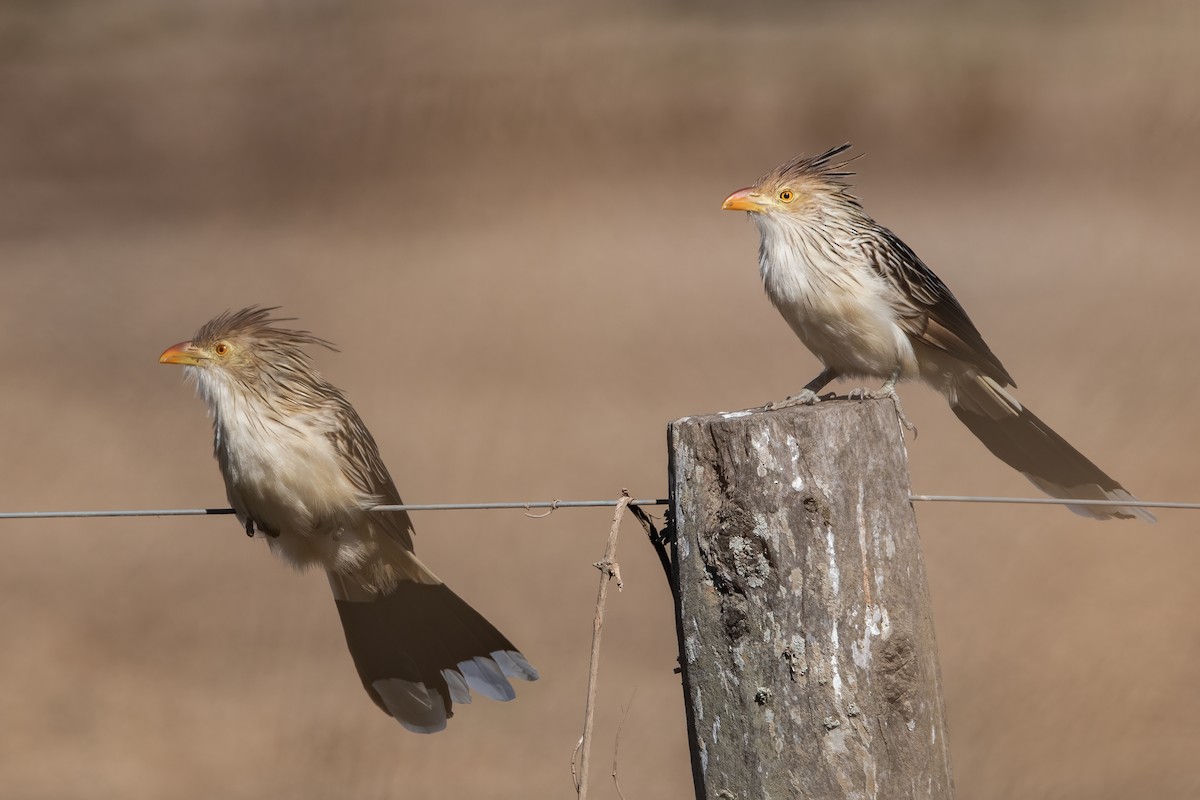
[
  {"x": 799, "y": 257},
  {"x": 237, "y": 414}
]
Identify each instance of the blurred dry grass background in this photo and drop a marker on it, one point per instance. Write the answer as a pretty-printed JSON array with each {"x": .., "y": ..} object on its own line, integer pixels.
[{"x": 506, "y": 214}]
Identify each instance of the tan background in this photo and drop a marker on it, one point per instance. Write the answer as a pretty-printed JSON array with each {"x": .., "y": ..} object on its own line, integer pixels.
[{"x": 506, "y": 214}]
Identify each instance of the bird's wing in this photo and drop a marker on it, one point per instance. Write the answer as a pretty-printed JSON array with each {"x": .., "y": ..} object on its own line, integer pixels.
[
  {"x": 363, "y": 467},
  {"x": 927, "y": 308}
]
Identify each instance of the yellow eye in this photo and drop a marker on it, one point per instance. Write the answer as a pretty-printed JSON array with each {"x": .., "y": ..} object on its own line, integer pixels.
[
  {"x": 787, "y": 196},
  {"x": 221, "y": 349}
]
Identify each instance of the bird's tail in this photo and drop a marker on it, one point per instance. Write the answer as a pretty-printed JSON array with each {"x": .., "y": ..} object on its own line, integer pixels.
[
  {"x": 419, "y": 649},
  {"x": 1021, "y": 440}
]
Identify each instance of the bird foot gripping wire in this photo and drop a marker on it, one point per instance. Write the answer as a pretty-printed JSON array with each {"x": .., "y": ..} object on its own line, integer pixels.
[
  {"x": 887, "y": 391},
  {"x": 252, "y": 526}
]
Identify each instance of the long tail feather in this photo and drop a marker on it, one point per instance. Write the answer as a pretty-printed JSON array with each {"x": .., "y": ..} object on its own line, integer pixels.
[
  {"x": 1018, "y": 438},
  {"x": 420, "y": 648}
]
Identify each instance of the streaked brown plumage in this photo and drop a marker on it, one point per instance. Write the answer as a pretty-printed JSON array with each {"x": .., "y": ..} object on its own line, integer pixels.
[
  {"x": 300, "y": 466},
  {"x": 867, "y": 307}
]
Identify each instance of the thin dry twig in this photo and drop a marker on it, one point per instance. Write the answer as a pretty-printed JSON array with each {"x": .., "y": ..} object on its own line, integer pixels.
[
  {"x": 617, "y": 744},
  {"x": 608, "y": 570},
  {"x": 553, "y": 508},
  {"x": 575, "y": 762}
]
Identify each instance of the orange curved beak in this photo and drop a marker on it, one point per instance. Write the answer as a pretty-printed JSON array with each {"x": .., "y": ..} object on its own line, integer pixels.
[
  {"x": 744, "y": 200},
  {"x": 183, "y": 353}
]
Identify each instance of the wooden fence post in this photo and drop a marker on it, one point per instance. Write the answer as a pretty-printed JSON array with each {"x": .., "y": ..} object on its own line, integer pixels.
[{"x": 809, "y": 663}]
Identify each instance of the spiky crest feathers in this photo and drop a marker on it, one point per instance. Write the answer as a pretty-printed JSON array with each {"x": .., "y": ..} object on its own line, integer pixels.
[
  {"x": 823, "y": 173},
  {"x": 255, "y": 324}
]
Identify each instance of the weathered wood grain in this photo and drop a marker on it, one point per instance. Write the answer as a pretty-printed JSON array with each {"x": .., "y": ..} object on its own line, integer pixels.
[{"x": 809, "y": 660}]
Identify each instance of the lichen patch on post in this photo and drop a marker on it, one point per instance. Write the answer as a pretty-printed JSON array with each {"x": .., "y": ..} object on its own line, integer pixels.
[
  {"x": 794, "y": 452},
  {"x": 834, "y": 667},
  {"x": 835, "y": 575},
  {"x": 761, "y": 442},
  {"x": 749, "y": 561},
  {"x": 796, "y": 579},
  {"x": 691, "y": 644}
]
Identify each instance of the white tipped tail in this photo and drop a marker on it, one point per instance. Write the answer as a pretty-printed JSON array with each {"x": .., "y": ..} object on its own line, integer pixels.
[{"x": 420, "y": 648}]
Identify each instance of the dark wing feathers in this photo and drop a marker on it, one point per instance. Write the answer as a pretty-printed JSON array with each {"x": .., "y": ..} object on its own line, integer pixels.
[
  {"x": 928, "y": 309},
  {"x": 364, "y": 468}
]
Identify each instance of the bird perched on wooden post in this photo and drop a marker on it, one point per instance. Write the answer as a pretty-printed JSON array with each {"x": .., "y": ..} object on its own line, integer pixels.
[
  {"x": 301, "y": 468},
  {"x": 864, "y": 303}
]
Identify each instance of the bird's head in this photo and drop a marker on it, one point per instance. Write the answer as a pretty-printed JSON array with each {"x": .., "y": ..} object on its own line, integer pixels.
[
  {"x": 803, "y": 189},
  {"x": 246, "y": 349}
]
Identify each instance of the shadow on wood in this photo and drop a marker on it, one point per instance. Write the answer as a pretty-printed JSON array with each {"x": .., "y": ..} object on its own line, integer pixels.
[{"x": 809, "y": 661}]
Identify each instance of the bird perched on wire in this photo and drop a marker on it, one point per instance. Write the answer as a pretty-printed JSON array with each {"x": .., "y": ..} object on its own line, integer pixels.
[
  {"x": 864, "y": 303},
  {"x": 301, "y": 468}
]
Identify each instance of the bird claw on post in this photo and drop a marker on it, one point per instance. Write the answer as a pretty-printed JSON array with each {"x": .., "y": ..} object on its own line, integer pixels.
[
  {"x": 885, "y": 392},
  {"x": 807, "y": 397},
  {"x": 250, "y": 527}
]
